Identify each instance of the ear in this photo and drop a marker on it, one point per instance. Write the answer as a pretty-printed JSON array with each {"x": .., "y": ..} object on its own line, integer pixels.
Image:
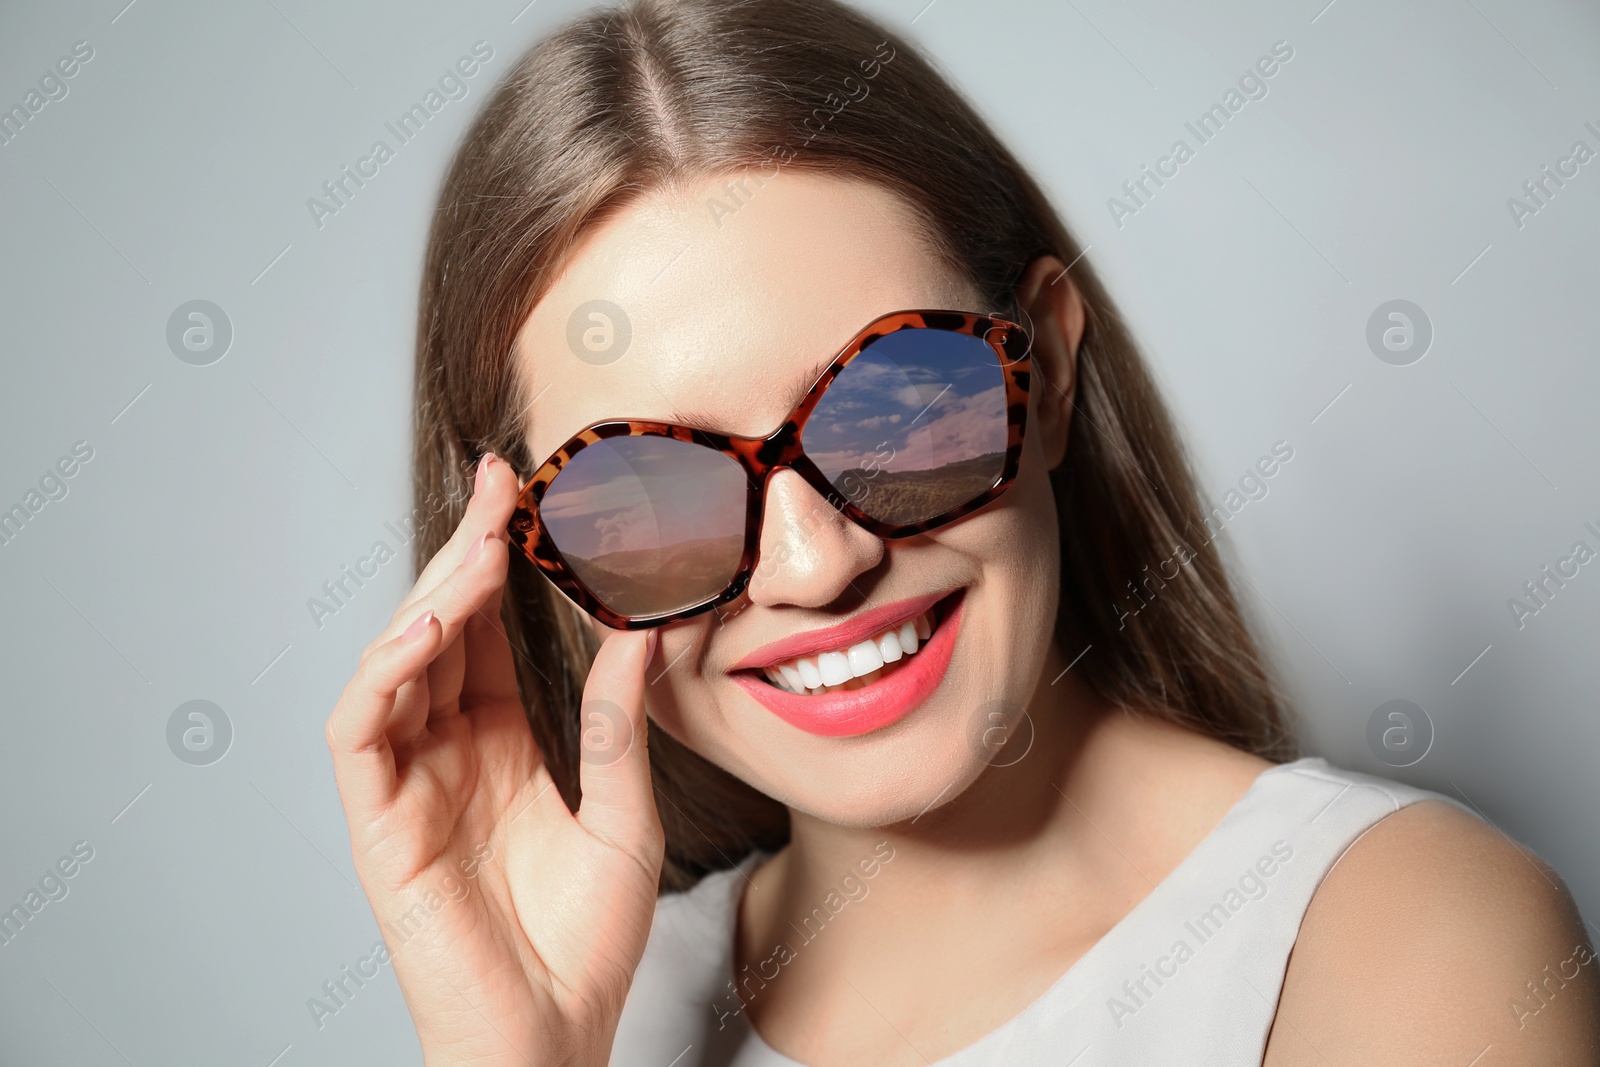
[{"x": 1056, "y": 309}]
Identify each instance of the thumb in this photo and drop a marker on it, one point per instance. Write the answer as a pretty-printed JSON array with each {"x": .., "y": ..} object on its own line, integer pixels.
[{"x": 618, "y": 805}]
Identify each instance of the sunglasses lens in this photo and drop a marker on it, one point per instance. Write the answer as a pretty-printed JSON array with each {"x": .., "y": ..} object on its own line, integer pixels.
[
  {"x": 648, "y": 524},
  {"x": 914, "y": 426}
]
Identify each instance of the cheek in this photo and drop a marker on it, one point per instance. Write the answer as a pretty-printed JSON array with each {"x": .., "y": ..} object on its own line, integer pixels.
[
  {"x": 1013, "y": 553},
  {"x": 1037, "y": 499},
  {"x": 671, "y": 681},
  {"x": 1017, "y": 548},
  {"x": 1024, "y": 544}
]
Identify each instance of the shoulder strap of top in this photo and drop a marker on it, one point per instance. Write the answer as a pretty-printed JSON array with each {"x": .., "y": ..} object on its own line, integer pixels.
[{"x": 1192, "y": 975}]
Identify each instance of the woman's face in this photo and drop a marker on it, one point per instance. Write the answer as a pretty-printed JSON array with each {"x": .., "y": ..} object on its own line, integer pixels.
[{"x": 733, "y": 294}]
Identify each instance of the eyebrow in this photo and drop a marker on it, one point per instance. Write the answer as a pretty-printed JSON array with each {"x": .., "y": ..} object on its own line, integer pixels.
[{"x": 701, "y": 419}]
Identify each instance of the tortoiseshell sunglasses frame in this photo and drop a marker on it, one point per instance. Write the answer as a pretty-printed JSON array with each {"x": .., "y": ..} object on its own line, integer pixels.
[{"x": 760, "y": 457}]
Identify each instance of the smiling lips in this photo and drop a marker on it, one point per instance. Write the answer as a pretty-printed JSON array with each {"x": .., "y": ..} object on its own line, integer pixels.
[
  {"x": 858, "y": 676},
  {"x": 845, "y": 668}
]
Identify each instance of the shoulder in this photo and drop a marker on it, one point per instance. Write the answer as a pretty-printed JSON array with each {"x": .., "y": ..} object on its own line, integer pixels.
[{"x": 1434, "y": 939}]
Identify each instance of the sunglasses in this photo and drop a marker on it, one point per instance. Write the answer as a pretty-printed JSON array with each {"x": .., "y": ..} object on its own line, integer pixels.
[{"x": 915, "y": 423}]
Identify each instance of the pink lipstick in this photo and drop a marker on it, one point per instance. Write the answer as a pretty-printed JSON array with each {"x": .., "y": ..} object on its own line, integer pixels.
[{"x": 888, "y": 694}]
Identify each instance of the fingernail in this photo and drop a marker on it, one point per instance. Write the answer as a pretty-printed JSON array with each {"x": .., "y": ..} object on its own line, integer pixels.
[
  {"x": 418, "y": 626},
  {"x": 652, "y": 638},
  {"x": 477, "y": 546},
  {"x": 483, "y": 465}
]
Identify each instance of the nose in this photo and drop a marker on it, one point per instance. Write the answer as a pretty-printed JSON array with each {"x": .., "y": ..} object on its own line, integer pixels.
[{"x": 810, "y": 554}]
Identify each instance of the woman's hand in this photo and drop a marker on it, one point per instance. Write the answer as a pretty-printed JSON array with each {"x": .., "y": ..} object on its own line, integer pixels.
[{"x": 514, "y": 926}]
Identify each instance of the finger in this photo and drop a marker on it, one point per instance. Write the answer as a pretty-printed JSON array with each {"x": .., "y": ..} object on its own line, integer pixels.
[
  {"x": 459, "y": 595},
  {"x": 488, "y": 511},
  {"x": 445, "y": 675},
  {"x": 491, "y": 674},
  {"x": 476, "y": 668},
  {"x": 358, "y": 729},
  {"x": 614, "y": 766},
  {"x": 459, "y": 598},
  {"x": 491, "y": 699},
  {"x": 413, "y": 710}
]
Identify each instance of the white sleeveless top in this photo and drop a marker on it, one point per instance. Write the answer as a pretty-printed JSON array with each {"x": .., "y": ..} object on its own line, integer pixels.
[{"x": 1190, "y": 976}]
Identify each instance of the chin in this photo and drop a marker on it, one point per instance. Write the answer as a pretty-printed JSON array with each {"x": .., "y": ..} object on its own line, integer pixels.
[{"x": 870, "y": 794}]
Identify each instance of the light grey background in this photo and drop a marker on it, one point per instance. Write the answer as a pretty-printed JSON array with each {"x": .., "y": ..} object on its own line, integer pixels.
[{"x": 219, "y": 498}]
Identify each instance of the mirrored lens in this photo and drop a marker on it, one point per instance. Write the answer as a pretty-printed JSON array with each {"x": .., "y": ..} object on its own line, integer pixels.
[
  {"x": 914, "y": 426},
  {"x": 648, "y": 524}
]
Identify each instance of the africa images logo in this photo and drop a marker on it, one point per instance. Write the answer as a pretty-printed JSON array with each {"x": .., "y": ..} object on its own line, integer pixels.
[
  {"x": 1251, "y": 85},
  {"x": 453, "y": 85},
  {"x": 1139, "y": 991}
]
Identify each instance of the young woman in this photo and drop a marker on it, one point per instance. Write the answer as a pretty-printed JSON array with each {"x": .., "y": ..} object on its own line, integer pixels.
[{"x": 938, "y": 735}]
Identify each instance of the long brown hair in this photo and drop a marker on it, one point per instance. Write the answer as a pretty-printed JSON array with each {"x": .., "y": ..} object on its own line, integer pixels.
[{"x": 623, "y": 101}]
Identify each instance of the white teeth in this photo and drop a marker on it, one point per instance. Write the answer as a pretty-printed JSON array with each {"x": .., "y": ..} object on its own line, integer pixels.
[
  {"x": 864, "y": 658},
  {"x": 810, "y": 677},
  {"x": 828, "y": 670},
  {"x": 835, "y": 668},
  {"x": 908, "y": 638},
  {"x": 785, "y": 678}
]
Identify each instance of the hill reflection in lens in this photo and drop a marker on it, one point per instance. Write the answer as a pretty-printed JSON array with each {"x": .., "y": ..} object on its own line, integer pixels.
[
  {"x": 648, "y": 524},
  {"x": 914, "y": 426}
]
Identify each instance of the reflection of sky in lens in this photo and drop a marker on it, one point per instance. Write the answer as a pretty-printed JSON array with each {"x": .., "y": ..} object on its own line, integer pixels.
[
  {"x": 925, "y": 397},
  {"x": 629, "y": 493}
]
